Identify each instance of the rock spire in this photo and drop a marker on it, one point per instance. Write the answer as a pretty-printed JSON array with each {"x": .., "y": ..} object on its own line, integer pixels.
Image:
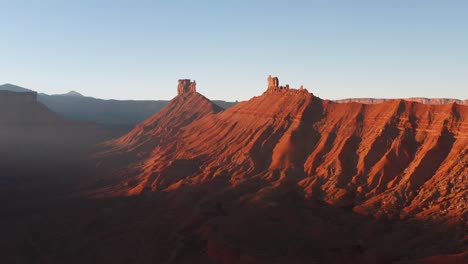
[
  {"x": 186, "y": 86},
  {"x": 273, "y": 85}
]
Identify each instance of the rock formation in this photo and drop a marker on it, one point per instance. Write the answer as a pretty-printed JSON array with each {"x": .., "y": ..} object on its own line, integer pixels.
[
  {"x": 273, "y": 86},
  {"x": 186, "y": 86},
  {"x": 332, "y": 177},
  {"x": 185, "y": 108},
  {"x": 282, "y": 178},
  {"x": 273, "y": 82}
]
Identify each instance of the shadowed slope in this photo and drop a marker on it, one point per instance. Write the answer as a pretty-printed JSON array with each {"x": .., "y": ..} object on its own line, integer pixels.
[{"x": 28, "y": 128}]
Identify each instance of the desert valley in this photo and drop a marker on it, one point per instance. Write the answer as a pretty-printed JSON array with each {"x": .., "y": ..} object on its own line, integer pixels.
[{"x": 285, "y": 177}]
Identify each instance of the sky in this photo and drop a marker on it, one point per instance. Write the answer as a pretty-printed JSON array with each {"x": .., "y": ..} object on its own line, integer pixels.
[{"x": 139, "y": 49}]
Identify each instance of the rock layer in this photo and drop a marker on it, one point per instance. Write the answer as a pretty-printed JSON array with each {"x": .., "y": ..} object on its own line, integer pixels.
[{"x": 435, "y": 101}]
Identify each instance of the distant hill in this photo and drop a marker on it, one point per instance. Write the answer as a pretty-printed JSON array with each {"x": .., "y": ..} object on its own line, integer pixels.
[
  {"x": 72, "y": 93},
  {"x": 13, "y": 88},
  {"x": 76, "y": 106},
  {"x": 85, "y": 108}
]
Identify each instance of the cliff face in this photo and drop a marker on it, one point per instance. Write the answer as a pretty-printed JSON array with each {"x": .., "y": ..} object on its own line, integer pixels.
[
  {"x": 23, "y": 108},
  {"x": 382, "y": 159},
  {"x": 394, "y": 161},
  {"x": 435, "y": 101}
]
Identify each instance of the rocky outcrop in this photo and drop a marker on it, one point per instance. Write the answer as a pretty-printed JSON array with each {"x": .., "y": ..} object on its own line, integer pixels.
[
  {"x": 186, "y": 86},
  {"x": 273, "y": 82},
  {"x": 273, "y": 86}
]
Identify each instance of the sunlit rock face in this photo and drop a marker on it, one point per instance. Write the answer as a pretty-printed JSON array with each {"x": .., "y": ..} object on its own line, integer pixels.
[
  {"x": 186, "y": 86},
  {"x": 342, "y": 175}
]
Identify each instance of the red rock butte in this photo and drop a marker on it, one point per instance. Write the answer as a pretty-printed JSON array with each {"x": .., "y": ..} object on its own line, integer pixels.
[
  {"x": 357, "y": 154},
  {"x": 186, "y": 86}
]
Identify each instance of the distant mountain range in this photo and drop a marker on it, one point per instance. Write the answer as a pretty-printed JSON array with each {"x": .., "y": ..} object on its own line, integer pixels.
[{"x": 75, "y": 106}]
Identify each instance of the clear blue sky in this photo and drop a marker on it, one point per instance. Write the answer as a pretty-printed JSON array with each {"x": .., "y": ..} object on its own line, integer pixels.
[{"x": 138, "y": 49}]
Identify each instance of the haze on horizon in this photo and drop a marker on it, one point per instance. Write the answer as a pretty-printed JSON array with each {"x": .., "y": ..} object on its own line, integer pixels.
[{"x": 138, "y": 49}]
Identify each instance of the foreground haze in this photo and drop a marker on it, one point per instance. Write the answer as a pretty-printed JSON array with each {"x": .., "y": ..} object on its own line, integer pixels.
[{"x": 284, "y": 177}]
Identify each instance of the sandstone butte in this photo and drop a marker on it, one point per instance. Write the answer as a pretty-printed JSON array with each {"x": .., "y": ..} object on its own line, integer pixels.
[{"x": 394, "y": 162}]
